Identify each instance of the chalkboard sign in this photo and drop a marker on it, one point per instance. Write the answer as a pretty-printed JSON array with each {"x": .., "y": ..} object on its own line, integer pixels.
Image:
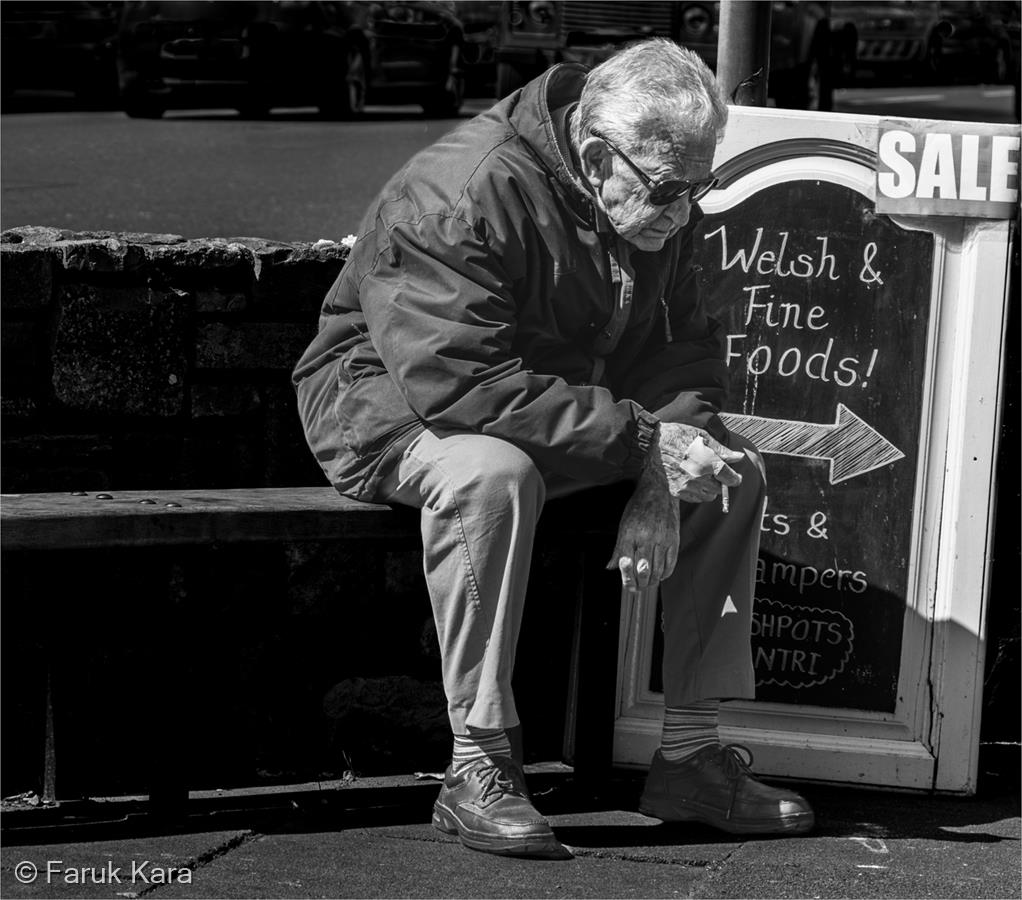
[
  {"x": 826, "y": 305},
  {"x": 866, "y": 358}
]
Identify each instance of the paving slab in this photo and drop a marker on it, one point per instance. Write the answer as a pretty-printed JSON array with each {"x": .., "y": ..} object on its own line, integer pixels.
[
  {"x": 118, "y": 868},
  {"x": 871, "y": 844},
  {"x": 416, "y": 861},
  {"x": 866, "y": 844},
  {"x": 867, "y": 868}
]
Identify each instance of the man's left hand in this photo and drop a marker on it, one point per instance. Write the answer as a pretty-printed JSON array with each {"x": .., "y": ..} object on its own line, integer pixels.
[{"x": 648, "y": 536}]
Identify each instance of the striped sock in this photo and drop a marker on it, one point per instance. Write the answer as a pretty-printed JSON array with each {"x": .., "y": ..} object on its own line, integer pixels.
[
  {"x": 687, "y": 729},
  {"x": 479, "y": 743}
]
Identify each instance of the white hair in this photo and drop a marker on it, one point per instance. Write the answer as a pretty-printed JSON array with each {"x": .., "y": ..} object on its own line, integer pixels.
[{"x": 651, "y": 98}]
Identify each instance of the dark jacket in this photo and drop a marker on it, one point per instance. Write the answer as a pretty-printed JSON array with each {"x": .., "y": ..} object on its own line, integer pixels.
[{"x": 480, "y": 296}]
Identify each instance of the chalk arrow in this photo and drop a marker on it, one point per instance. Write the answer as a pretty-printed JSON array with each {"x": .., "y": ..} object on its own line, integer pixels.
[{"x": 852, "y": 447}]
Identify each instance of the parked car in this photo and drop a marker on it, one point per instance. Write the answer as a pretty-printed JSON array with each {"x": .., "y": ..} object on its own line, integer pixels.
[
  {"x": 535, "y": 34},
  {"x": 931, "y": 40},
  {"x": 479, "y": 21},
  {"x": 253, "y": 56},
  {"x": 890, "y": 39},
  {"x": 64, "y": 46}
]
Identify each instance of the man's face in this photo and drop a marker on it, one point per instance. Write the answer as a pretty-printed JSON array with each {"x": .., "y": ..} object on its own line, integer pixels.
[{"x": 625, "y": 199}]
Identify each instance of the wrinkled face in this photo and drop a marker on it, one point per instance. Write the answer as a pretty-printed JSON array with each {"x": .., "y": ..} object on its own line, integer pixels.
[{"x": 625, "y": 199}]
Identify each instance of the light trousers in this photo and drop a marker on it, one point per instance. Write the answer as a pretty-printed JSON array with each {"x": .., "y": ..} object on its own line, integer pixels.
[{"x": 481, "y": 498}]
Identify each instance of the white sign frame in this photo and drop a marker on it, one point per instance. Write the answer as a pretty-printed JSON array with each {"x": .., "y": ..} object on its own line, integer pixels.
[{"x": 930, "y": 741}]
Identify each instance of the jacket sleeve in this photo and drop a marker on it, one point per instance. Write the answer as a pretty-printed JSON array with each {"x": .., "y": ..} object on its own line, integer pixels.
[
  {"x": 441, "y": 312},
  {"x": 680, "y": 375}
]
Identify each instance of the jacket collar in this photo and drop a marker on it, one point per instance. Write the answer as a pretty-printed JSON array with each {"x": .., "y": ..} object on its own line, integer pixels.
[{"x": 539, "y": 117}]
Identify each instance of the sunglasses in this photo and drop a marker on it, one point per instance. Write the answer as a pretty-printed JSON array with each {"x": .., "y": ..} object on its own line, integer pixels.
[{"x": 661, "y": 193}]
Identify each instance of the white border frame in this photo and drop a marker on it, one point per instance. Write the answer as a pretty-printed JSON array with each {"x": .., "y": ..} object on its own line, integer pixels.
[{"x": 930, "y": 742}]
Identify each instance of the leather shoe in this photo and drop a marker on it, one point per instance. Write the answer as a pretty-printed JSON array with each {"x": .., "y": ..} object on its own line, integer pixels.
[
  {"x": 487, "y": 805},
  {"x": 716, "y": 787}
]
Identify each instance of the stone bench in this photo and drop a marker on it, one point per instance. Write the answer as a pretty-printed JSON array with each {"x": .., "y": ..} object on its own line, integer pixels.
[{"x": 35, "y": 527}]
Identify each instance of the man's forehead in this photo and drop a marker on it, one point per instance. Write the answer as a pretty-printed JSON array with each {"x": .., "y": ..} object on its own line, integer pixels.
[
  {"x": 694, "y": 154},
  {"x": 685, "y": 155}
]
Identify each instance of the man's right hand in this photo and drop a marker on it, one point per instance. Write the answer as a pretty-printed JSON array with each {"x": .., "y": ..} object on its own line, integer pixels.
[{"x": 694, "y": 464}]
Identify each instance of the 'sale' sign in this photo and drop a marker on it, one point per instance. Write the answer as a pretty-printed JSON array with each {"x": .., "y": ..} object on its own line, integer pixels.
[{"x": 954, "y": 169}]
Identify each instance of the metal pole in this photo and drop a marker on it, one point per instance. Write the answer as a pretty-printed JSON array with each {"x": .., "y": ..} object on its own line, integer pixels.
[{"x": 743, "y": 47}]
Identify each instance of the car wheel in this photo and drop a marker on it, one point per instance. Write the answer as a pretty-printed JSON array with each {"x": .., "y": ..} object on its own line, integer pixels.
[
  {"x": 509, "y": 78},
  {"x": 142, "y": 106},
  {"x": 348, "y": 100}
]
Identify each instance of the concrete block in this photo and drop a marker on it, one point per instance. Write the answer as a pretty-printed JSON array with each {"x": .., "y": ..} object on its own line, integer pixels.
[
  {"x": 44, "y": 235},
  {"x": 56, "y": 462},
  {"x": 287, "y": 454},
  {"x": 295, "y": 283},
  {"x": 220, "y": 301},
  {"x": 206, "y": 257},
  {"x": 121, "y": 350},
  {"x": 226, "y": 453},
  {"x": 26, "y": 275},
  {"x": 252, "y": 345},
  {"x": 19, "y": 346},
  {"x": 263, "y": 250},
  {"x": 17, "y": 404},
  {"x": 24, "y": 378},
  {"x": 147, "y": 454},
  {"x": 40, "y": 235},
  {"x": 100, "y": 255},
  {"x": 216, "y": 400}
]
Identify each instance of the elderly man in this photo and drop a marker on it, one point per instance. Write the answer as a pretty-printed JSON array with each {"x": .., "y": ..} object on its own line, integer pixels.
[{"x": 518, "y": 320}]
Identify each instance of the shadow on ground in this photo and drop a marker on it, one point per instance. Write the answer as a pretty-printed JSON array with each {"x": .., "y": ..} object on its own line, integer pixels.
[{"x": 840, "y": 812}]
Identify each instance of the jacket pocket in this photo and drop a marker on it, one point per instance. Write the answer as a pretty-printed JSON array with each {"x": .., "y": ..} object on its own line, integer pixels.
[{"x": 371, "y": 413}]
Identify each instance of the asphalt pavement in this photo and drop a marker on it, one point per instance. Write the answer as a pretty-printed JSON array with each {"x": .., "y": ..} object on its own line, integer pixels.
[
  {"x": 368, "y": 840},
  {"x": 291, "y": 177}
]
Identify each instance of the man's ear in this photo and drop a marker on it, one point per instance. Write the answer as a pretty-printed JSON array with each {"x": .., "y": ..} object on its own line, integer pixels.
[{"x": 596, "y": 163}]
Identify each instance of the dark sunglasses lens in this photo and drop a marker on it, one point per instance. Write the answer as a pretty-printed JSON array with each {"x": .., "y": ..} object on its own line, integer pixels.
[
  {"x": 670, "y": 191},
  {"x": 667, "y": 192}
]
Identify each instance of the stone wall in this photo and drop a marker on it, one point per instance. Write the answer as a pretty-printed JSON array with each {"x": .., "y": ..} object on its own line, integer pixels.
[{"x": 151, "y": 361}]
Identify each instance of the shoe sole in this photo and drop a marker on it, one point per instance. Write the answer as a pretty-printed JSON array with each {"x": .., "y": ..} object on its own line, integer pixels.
[
  {"x": 536, "y": 846},
  {"x": 795, "y": 823}
]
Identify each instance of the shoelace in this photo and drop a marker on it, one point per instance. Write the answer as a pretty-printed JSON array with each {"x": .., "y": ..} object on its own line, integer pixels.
[
  {"x": 496, "y": 780},
  {"x": 736, "y": 767}
]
